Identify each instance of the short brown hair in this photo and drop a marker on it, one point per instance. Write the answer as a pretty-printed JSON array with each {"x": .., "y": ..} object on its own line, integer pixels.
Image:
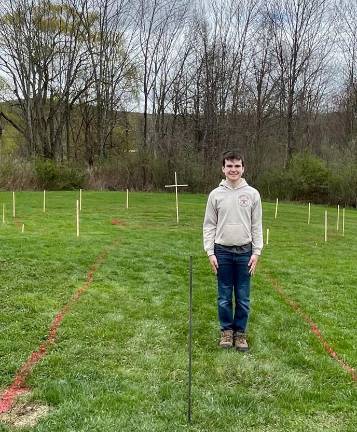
[{"x": 230, "y": 155}]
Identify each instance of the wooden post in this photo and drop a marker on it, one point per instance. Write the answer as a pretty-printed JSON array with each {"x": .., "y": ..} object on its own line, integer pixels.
[
  {"x": 13, "y": 205},
  {"x": 44, "y": 201},
  {"x": 176, "y": 186},
  {"x": 343, "y": 222},
  {"x": 267, "y": 240},
  {"x": 309, "y": 215},
  {"x": 325, "y": 225},
  {"x": 338, "y": 217},
  {"x": 276, "y": 208},
  {"x": 177, "y": 212},
  {"x": 77, "y": 208},
  {"x": 127, "y": 198}
]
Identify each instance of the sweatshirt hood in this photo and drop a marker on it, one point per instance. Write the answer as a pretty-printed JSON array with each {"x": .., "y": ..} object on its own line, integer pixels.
[{"x": 225, "y": 184}]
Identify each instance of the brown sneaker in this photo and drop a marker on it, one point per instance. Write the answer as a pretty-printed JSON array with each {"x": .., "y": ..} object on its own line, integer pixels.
[
  {"x": 226, "y": 340},
  {"x": 240, "y": 341}
]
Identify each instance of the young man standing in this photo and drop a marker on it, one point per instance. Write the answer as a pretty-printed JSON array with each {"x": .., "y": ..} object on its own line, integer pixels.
[{"x": 233, "y": 240}]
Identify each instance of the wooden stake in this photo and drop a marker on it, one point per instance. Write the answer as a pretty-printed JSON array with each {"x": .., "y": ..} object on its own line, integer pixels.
[
  {"x": 309, "y": 215},
  {"x": 177, "y": 212},
  {"x": 276, "y": 208},
  {"x": 325, "y": 225},
  {"x": 189, "y": 409},
  {"x": 176, "y": 186},
  {"x": 267, "y": 241},
  {"x": 343, "y": 222},
  {"x": 127, "y": 198},
  {"x": 44, "y": 201},
  {"x": 13, "y": 205},
  {"x": 77, "y": 208},
  {"x": 338, "y": 217}
]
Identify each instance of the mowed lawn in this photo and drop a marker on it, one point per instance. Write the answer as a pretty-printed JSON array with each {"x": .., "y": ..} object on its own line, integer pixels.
[{"x": 120, "y": 359}]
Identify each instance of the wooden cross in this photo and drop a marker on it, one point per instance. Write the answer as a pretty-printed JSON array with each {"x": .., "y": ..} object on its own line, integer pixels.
[{"x": 176, "y": 186}]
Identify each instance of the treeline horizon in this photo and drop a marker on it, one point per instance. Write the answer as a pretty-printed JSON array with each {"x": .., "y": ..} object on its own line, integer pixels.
[{"x": 274, "y": 79}]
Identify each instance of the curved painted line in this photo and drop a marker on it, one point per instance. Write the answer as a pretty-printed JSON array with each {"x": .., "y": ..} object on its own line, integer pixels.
[
  {"x": 18, "y": 387},
  {"x": 313, "y": 327}
]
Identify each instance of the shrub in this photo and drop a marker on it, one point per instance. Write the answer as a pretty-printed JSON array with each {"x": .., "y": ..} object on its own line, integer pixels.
[
  {"x": 343, "y": 184},
  {"x": 47, "y": 173},
  {"x": 53, "y": 176},
  {"x": 306, "y": 179},
  {"x": 309, "y": 178},
  {"x": 16, "y": 174},
  {"x": 275, "y": 183}
]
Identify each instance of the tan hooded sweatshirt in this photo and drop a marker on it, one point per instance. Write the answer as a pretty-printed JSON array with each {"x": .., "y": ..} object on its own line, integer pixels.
[{"x": 233, "y": 217}]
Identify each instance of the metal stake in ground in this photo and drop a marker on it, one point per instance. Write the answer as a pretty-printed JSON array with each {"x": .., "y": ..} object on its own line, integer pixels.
[
  {"x": 189, "y": 408},
  {"x": 176, "y": 186}
]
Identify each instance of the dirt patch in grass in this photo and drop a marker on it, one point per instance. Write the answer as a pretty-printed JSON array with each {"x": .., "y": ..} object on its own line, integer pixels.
[
  {"x": 24, "y": 414},
  {"x": 117, "y": 222},
  {"x": 18, "y": 223}
]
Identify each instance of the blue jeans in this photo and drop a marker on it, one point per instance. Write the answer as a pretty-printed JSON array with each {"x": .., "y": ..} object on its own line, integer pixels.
[{"x": 233, "y": 276}]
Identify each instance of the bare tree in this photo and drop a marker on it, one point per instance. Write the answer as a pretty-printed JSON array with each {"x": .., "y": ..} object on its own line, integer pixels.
[
  {"x": 40, "y": 52},
  {"x": 169, "y": 65},
  {"x": 347, "y": 41},
  {"x": 109, "y": 35},
  {"x": 153, "y": 16},
  {"x": 160, "y": 30},
  {"x": 262, "y": 85},
  {"x": 58, "y": 54},
  {"x": 223, "y": 59},
  {"x": 300, "y": 29}
]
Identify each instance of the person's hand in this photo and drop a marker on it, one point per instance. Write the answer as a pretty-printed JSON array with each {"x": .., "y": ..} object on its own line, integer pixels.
[
  {"x": 252, "y": 264},
  {"x": 214, "y": 263}
]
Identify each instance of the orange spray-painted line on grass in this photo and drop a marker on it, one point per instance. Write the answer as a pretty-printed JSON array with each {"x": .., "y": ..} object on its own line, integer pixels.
[
  {"x": 18, "y": 387},
  {"x": 314, "y": 328}
]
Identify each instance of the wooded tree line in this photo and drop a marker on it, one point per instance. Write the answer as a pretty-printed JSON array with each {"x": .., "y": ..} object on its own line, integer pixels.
[{"x": 273, "y": 78}]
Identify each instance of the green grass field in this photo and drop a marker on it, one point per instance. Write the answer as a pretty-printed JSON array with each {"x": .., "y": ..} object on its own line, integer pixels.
[{"x": 120, "y": 359}]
